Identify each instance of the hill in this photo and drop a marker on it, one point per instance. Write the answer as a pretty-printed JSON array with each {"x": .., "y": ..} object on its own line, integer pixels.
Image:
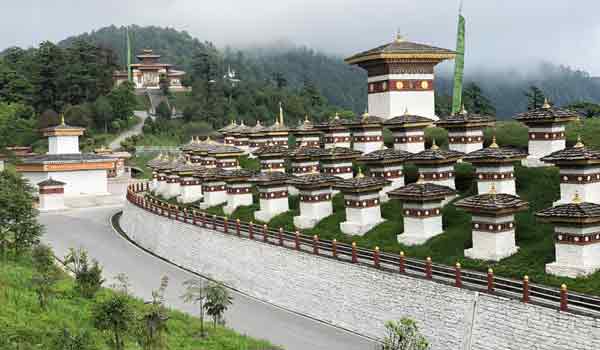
[{"x": 340, "y": 84}]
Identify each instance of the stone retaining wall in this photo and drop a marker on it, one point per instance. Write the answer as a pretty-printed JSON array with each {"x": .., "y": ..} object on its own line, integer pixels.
[{"x": 360, "y": 298}]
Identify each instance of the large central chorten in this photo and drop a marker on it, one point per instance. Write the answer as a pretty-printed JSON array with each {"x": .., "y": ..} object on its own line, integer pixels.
[{"x": 401, "y": 76}]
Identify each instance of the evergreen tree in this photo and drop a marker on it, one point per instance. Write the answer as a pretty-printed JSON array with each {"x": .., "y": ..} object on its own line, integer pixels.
[
  {"x": 535, "y": 98},
  {"x": 476, "y": 102},
  {"x": 116, "y": 316},
  {"x": 122, "y": 101},
  {"x": 48, "y": 69}
]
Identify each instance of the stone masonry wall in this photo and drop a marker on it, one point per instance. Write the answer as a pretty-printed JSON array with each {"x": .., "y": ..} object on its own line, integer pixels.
[{"x": 360, "y": 298}]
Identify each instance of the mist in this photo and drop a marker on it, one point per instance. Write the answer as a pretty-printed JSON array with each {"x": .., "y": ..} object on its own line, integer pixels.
[{"x": 501, "y": 34}]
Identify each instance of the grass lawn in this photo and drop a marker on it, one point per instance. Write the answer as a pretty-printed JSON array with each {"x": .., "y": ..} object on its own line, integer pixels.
[{"x": 23, "y": 325}]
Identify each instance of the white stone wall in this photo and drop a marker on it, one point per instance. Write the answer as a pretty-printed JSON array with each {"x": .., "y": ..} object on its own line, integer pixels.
[
  {"x": 359, "y": 298},
  {"x": 339, "y": 144},
  {"x": 190, "y": 193},
  {"x": 361, "y": 220},
  {"x": 394, "y": 103},
  {"x": 493, "y": 246},
  {"x": 538, "y": 149},
  {"x": 588, "y": 192},
  {"x": 368, "y": 146},
  {"x": 438, "y": 169},
  {"x": 172, "y": 189},
  {"x": 237, "y": 200},
  {"x": 52, "y": 201},
  {"x": 214, "y": 198},
  {"x": 574, "y": 260},
  {"x": 313, "y": 212},
  {"x": 420, "y": 230},
  {"x": 465, "y": 147},
  {"x": 270, "y": 208},
  {"x": 63, "y": 144},
  {"x": 506, "y": 185},
  {"x": 78, "y": 183},
  {"x": 413, "y": 147}
]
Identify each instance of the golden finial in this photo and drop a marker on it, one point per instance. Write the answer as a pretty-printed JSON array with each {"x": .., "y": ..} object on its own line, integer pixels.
[
  {"x": 258, "y": 123},
  {"x": 399, "y": 38},
  {"x": 546, "y": 104},
  {"x": 421, "y": 179},
  {"x": 365, "y": 115},
  {"x": 434, "y": 145},
  {"x": 463, "y": 110},
  {"x": 406, "y": 111},
  {"x": 337, "y": 116},
  {"x": 281, "y": 114},
  {"x": 62, "y": 120},
  {"x": 579, "y": 143},
  {"x": 577, "y": 199},
  {"x": 493, "y": 190},
  {"x": 242, "y": 123},
  {"x": 360, "y": 174},
  {"x": 306, "y": 119},
  {"x": 494, "y": 144}
]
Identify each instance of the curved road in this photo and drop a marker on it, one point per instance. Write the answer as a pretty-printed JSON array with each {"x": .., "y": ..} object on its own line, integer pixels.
[
  {"x": 136, "y": 130},
  {"x": 91, "y": 229}
]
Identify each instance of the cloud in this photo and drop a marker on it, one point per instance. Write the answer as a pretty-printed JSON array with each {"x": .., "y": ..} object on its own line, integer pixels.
[{"x": 500, "y": 33}]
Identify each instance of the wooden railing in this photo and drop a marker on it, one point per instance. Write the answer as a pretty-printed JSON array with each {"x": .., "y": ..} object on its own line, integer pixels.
[{"x": 374, "y": 258}]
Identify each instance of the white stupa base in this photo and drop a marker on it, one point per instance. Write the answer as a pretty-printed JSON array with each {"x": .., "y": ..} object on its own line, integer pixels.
[
  {"x": 293, "y": 191},
  {"x": 305, "y": 222},
  {"x": 502, "y": 186},
  {"x": 570, "y": 271},
  {"x": 484, "y": 254},
  {"x": 532, "y": 162},
  {"x": 357, "y": 228},
  {"x": 212, "y": 199},
  {"x": 236, "y": 201},
  {"x": 416, "y": 238},
  {"x": 266, "y": 215},
  {"x": 465, "y": 147}
]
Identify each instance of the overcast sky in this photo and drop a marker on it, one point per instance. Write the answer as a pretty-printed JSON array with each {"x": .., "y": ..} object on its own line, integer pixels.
[{"x": 499, "y": 32}]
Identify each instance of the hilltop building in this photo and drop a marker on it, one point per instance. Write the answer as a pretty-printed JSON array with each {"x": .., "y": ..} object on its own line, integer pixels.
[
  {"x": 401, "y": 76},
  {"x": 146, "y": 74}
]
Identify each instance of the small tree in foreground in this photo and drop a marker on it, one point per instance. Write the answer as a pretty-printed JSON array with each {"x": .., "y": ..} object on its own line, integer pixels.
[
  {"x": 218, "y": 301},
  {"x": 195, "y": 293},
  {"x": 46, "y": 273},
  {"x": 115, "y": 316},
  {"x": 88, "y": 277},
  {"x": 403, "y": 335},
  {"x": 153, "y": 327}
]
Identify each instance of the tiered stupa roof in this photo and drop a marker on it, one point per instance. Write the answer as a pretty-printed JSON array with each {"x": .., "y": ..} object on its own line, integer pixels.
[
  {"x": 50, "y": 182},
  {"x": 62, "y": 129},
  {"x": 272, "y": 178},
  {"x": 401, "y": 49},
  {"x": 224, "y": 130},
  {"x": 435, "y": 155},
  {"x": 335, "y": 123},
  {"x": 495, "y": 154},
  {"x": 306, "y": 128},
  {"x": 464, "y": 119},
  {"x": 256, "y": 129},
  {"x": 314, "y": 181},
  {"x": 421, "y": 192},
  {"x": 577, "y": 213},
  {"x": 362, "y": 183},
  {"x": 386, "y": 155},
  {"x": 339, "y": 153},
  {"x": 408, "y": 121},
  {"x": 576, "y": 155},
  {"x": 272, "y": 151},
  {"x": 237, "y": 175},
  {"x": 364, "y": 121},
  {"x": 304, "y": 152},
  {"x": 547, "y": 114},
  {"x": 493, "y": 204}
]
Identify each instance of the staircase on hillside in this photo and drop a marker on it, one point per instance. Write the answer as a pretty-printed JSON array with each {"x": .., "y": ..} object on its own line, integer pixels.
[{"x": 156, "y": 97}]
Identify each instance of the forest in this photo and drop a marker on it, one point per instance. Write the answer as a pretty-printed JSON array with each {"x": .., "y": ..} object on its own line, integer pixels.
[{"x": 344, "y": 86}]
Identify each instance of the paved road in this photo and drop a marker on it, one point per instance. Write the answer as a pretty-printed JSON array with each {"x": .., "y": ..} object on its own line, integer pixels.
[
  {"x": 136, "y": 130},
  {"x": 90, "y": 229}
]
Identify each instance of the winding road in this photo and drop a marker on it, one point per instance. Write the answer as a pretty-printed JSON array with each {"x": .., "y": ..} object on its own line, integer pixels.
[
  {"x": 136, "y": 130},
  {"x": 91, "y": 229}
]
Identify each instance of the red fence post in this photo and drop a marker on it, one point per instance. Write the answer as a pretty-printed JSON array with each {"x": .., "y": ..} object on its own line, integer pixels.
[
  {"x": 316, "y": 245},
  {"x": 237, "y": 227},
  {"x": 526, "y": 289},
  {"x": 334, "y": 247},
  {"x": 251, "y": 230},
  {"x": 281, "y": 236},
  {"x": 214, "y": 222},
  {"x": 297, "y": 240},
  {"x": 458, "y": 276},
  {"x": 376, "y": 257},
  {"x": 428, "y": 268},
  {"x": 194, "y": 217},
  {"x": 564, "y": 298},
  {"x": 354, "y": 258},
  {"x": 265, "y": 238},
  {"x": 402, "y": 266},
  {"x": 204, "y": 219},
  {"x": 225, "y": 225},
  {"x": 490, "y": 280}
]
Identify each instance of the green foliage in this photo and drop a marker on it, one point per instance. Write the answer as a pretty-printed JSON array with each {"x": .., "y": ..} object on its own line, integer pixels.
[
  {"x": 73, "y": 340},
  {"x": 46, "y": 273},
  {"x": 195, "y": 293},
  {"x": 476, "y": 102},
  {"x": 163, "y": 110},
  {"x": 535, "y": 98},
  {"x": 403, "y": 335},
  {"x": 218, "y": 300},
  {"x": 88, "y": 277},
  {"x": 153, "y": 329},
  {"x": 17, "y": 125},
  {"x": 587, "y": 109},
  {"x": 122, "y": 100},
  {"x": 114, "y": 315},
  {"x": 19, "y": 229}
]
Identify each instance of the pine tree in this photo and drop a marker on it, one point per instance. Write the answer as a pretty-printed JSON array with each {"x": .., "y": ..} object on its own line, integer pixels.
[{"x": 535, "y": 98}]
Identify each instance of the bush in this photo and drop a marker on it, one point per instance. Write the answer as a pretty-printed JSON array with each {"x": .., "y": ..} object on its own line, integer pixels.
[{"x": 88, "y": 278}]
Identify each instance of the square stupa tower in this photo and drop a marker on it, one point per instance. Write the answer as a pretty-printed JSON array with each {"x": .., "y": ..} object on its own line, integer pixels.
[{"x": 401, "y": 76}]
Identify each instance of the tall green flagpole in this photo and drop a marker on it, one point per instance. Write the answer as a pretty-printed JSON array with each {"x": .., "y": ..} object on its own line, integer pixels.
[
  {"x": 459, "y": 64},
  {"x": 129, "y": 76}
]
